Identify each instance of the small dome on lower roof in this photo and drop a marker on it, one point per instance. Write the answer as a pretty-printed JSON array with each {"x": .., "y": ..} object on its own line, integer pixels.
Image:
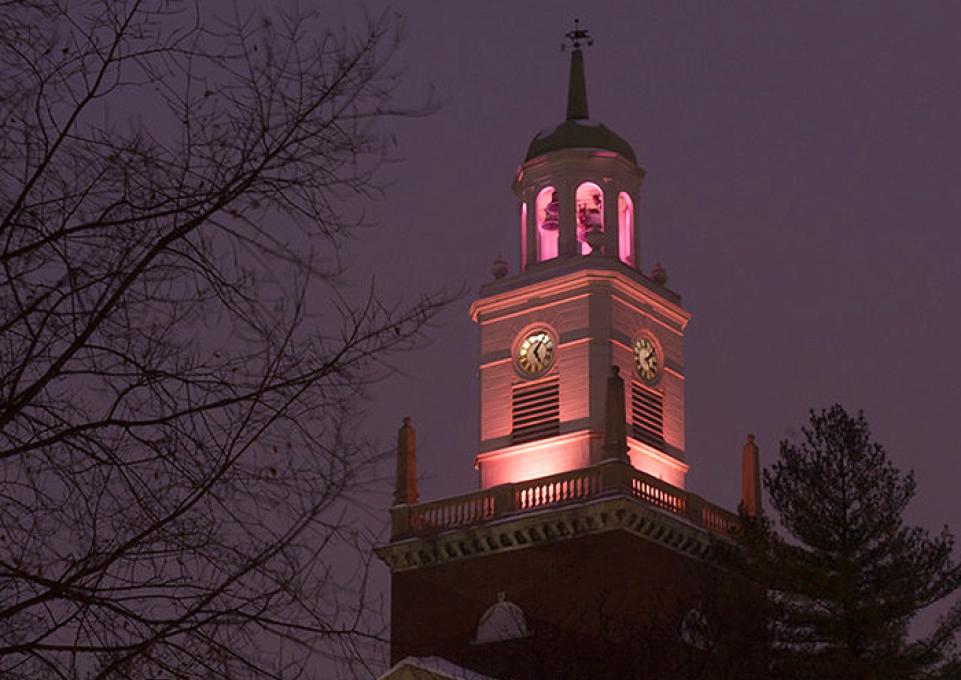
[
  {"x": 503, "y": 620},
  {"x": 579, "y": 133}
]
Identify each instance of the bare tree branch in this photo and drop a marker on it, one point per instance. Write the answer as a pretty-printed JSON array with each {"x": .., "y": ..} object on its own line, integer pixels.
[{"x": 181, "y": 366}]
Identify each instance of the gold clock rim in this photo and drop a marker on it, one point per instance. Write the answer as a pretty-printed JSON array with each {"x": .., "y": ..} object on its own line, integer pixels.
[
  {"x": 657, "y": 358},
  {"x": 520, "y": 357}
]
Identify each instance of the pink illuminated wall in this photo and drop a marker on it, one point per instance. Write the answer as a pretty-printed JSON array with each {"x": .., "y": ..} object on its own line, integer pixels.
[
  {"x": 625, "y": 228},
  {"x": 656, "y": 464},
  {"x": 548, "y": 223},
  {"x": 562, "y": 305},
  {"x": 589, "y": 208},
  {"x": 537, "y": 459}
]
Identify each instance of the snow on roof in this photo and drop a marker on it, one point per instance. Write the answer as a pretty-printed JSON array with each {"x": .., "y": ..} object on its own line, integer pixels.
[{"x": 435, "y": 667}]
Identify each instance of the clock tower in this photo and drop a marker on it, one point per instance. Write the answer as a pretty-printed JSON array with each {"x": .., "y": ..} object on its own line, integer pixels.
[
  {"x": 582, "y": 534},
  {"x": 579, "y": 305}
]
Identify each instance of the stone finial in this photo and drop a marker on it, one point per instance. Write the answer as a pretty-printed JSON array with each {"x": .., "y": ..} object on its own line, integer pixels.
[
  {"x": 659, "y": 274},
  {"x": 615, "y": 418},
  {"x": 405, "y": 487},
  {"x": 499, "y": 269},
  {"x": 751, "y": 478}
]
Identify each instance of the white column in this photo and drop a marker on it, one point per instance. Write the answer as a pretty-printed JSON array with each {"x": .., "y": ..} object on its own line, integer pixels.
[
  {"x": 567, "y": 244},
  {"x": 611, "y": 222},
  {"x": 530, "y": 200}
]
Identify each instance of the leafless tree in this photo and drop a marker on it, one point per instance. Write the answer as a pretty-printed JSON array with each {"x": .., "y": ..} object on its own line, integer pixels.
[{"x": 180, "y": 362}]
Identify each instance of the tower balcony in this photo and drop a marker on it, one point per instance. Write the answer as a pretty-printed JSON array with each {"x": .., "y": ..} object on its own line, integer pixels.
[{"x": 605, "y": 496}]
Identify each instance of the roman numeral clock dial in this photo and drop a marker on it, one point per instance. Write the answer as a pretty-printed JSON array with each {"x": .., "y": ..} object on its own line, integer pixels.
[
  {"x": 646, "y": 360},
  {"x": 535, "y": 354}
]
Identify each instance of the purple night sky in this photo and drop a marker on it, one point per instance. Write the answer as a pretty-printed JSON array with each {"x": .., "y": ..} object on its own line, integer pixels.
[{"x": 803, "y": 192}]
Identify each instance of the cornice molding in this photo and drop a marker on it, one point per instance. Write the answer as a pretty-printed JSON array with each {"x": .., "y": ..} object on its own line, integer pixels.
[
  {"x": 518, "y": 299},
  {"x": 552, "y": 525}
]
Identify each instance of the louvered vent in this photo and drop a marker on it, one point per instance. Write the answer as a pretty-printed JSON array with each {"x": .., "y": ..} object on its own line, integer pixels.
[
  {"x": 535, "y": 409},
  {"x": 647, "y": 416}
]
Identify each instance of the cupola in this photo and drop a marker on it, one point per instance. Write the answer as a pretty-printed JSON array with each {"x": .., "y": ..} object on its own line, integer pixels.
[{"x": 579, "y": 183}]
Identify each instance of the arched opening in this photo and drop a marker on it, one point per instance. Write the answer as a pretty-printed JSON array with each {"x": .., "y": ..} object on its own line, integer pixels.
[
  {"x": 548, "y": 223},
  {"x": 625, "y": 228},
  {"x": 589, "y": 204}
]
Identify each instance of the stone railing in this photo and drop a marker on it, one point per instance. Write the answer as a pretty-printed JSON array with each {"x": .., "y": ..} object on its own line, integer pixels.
[
  {"x": 609, "y": 478},
  {"x": 452, "y": 512}
]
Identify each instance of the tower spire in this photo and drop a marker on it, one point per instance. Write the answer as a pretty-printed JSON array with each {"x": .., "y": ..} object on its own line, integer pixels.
[{"x": 577, "y": 85}]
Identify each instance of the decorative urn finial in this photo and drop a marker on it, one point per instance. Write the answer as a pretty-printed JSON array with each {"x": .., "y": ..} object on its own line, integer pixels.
[{"x": 659, "y": 274}]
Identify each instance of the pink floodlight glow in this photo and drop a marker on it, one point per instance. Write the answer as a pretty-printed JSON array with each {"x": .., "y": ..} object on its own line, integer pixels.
[
  {"x": 625, "y": 228},
  {"x": 656, "y": 464},
  {"x": 536, "y": 459},
  {"x": 589, "y": 205},
  {"x": 547, "y": 209}
]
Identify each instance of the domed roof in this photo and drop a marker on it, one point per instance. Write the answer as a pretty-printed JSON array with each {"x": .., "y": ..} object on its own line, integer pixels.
[
  {"x": 503, "y": 620},
  {"x": 578, "y": 131}
]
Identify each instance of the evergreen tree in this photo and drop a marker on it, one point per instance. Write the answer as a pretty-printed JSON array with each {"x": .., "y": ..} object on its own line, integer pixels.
[{"x": 844, "y": 573}]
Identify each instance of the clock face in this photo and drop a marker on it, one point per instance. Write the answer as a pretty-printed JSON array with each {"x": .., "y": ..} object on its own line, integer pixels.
[
  {"x": 535, "y": 354},
  {"x": 645, "y": 358}
]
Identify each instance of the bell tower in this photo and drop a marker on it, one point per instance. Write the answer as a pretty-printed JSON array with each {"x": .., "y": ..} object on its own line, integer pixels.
[
  {"x": 581, "y": 554},
  {"x": 580, "y": 304}
]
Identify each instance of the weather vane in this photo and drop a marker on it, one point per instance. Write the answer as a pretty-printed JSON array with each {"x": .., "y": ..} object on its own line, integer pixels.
[{"x": 576, "y": 36}]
